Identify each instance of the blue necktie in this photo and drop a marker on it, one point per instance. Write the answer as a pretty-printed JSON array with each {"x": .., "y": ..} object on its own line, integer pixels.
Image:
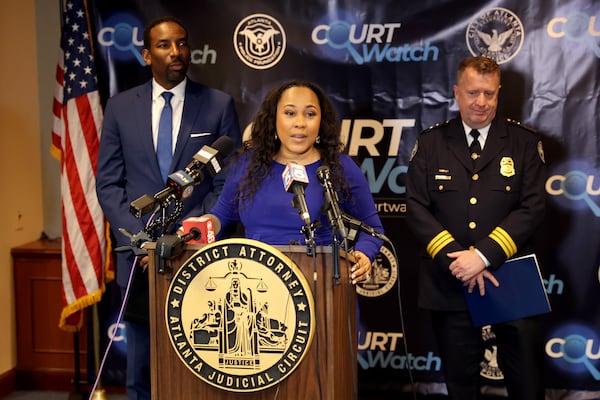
[{"x": 164, "y": 143}]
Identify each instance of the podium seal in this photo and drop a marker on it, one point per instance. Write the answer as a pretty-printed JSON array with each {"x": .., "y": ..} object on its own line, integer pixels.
[{"x": 240, "y": 315}]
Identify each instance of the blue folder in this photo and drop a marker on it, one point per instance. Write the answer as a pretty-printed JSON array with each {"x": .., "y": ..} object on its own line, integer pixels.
[{"x": 521, "y": 293}]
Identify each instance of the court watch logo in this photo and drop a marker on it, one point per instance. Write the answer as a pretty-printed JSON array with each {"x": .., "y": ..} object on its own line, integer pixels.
[
  {"x": 259, "y": 41},
  {"x": 240, "y": 315},
  {"x": 496, "y": 33}
]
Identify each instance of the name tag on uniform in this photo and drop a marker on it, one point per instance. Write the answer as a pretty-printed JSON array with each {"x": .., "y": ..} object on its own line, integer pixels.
[{"x": 443, "y": 175}]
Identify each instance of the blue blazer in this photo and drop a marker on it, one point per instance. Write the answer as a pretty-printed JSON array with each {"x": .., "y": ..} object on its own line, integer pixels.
[{"x": 127, "y": 165}]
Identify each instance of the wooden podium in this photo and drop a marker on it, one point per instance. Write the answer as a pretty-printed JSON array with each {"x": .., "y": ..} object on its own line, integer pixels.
[{"x": 328, "y": 369}]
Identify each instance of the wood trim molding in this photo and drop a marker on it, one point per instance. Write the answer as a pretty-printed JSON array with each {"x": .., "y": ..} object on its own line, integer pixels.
[{"x": 8, "y": 383}]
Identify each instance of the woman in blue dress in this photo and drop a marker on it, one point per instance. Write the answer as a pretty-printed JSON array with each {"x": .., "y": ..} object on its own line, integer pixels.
[{"x": 297, "y": 130}]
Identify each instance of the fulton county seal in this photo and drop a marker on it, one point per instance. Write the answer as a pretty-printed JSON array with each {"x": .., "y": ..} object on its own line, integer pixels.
[{"x": 240, "y": 315}]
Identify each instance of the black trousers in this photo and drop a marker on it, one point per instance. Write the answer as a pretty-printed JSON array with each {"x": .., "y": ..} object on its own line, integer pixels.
[{"x": 520, "y": 355}]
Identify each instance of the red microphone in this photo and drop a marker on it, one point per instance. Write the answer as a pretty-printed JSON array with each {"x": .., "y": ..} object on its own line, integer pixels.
[{"x": 208, "y": 227}]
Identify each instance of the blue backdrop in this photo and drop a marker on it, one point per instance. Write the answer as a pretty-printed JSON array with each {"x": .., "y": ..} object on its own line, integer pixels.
[{"x": 389, "y": 67}]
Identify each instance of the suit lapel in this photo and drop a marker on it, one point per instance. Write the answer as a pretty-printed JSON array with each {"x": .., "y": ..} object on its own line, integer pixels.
[
  {"x": 143, "y": 116},
  {"x": 457, "y": 143},
  {"x": 192, "y": 108},
  {"x": 144, "y": 122},
  {"x": 494, "y": 144}
]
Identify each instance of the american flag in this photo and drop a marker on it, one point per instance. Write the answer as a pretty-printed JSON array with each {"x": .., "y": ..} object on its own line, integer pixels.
[{"x": 75, "y": 138}]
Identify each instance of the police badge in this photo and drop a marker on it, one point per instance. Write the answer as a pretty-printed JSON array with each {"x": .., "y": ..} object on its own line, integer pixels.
[{"x": 507, "y": 167}]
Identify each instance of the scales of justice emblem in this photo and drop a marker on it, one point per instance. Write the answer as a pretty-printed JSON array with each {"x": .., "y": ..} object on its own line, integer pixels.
[{"x": 240, "y": 315}]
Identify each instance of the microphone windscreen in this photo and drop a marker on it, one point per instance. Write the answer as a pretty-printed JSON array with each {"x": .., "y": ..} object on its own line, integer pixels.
[
  {"x": 212, "y": 156},
  {"x": 216, "y": 222},
  {"x": 323, "y": 173},
  {"x": 182, "y": 183},
  {"x": 224, "y": 145},
  {"x": 205, "y": 225},
  {"x": 292, "y": 174}
]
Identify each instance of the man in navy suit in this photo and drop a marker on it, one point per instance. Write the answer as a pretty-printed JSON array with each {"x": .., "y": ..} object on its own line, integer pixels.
[{"x": 128, "y": 167}]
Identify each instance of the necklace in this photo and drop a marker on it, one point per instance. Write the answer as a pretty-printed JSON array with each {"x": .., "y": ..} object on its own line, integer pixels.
[{"x": 303, "y": 159}]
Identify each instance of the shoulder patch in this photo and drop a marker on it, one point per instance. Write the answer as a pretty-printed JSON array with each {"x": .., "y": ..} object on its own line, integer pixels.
[
  {"x": 414, "y": 150},
  {"x": 540, "y": 149},
  {"x": 514, "y": 122},
  {"x": 438, "y": 125}
]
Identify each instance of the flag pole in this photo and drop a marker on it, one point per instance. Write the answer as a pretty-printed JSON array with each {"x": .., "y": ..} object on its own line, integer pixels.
[
  {"x": 99, "y": 392},
  {"x": 76, "y": 394}
]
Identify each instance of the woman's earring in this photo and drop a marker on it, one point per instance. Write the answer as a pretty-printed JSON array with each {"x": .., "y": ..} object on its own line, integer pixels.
[{"x": 318, "y": 140}]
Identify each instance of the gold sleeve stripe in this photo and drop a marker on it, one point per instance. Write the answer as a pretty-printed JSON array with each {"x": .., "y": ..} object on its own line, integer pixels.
[
  {"x": 440, "y": 241},
  {"x": 504, "y": 240}
]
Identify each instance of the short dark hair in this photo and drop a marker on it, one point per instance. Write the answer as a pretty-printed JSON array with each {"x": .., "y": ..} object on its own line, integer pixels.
[
  {"x": 157, "y": 21},
  {"x": 481, "y": 64}
]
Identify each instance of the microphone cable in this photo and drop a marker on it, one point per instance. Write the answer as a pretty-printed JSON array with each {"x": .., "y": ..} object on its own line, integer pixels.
[
  {"x": 401, "y": 315},
  {"x": 316, "y": 329},
  {"x": 117, "y": 322},
  {"x": 313, "y": 256},
  {"x": 352, "y": 333}
]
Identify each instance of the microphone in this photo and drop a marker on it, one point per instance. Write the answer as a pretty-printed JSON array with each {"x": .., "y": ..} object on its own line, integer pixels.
[
  {"x": 211, "y": 157},
  {"x": 180, "y": 184},
  {"x": 208, "y": 226},
  {"x": 193, "y": 234},
  {"x": 170, "y": 246},
  {"x": 355, "y": 225},
  {"x": 295, "y": 180},
  {"x": 142, "y": 205},
  {"x": 332, "y": 202}
]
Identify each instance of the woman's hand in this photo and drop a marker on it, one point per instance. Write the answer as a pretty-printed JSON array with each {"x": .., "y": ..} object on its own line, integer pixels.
[
  {"x": 361, "y": 271},
  {"x": 144, "y": 261}
]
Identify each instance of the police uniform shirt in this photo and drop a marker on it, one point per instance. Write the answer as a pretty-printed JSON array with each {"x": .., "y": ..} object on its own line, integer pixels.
[{"x": 453, "y": 205}]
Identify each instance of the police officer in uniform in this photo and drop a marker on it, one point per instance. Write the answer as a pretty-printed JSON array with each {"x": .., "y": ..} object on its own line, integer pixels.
[{"x": 475, "y": 195}]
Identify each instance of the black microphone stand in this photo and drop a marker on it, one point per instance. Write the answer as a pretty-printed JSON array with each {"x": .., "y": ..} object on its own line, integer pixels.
[
  {"x": 335, "y": 242},
  {"x": 308, "y": 231},
  {"x": 154, "y": 228},
  {"x": 355, "y": 226},
  {"x": 335, "y": 216},
  {"x": 309, "y": 234},
  {"x": 168, "y": 216}
]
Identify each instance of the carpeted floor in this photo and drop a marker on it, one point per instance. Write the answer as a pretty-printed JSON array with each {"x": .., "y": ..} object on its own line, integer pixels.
[{"x": 47, "y": 395}]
